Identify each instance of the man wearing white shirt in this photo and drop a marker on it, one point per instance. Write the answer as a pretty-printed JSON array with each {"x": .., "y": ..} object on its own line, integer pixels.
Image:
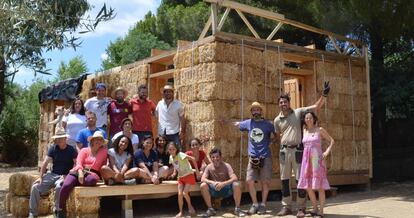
[
  {"x": 170, "y": 113},
  {"x": 99, "y": 105}
]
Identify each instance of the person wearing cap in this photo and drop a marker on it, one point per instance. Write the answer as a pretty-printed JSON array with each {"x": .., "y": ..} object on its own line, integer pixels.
[
  {"x": 63, "y": 158},
  {"x": 83, "y": 134},
  {"x": 142, "y": 112},
  {"x": 87, "y": 169},
  {"x": 288, "y": 126},
  {"x": 118, "y": 110},
  {"x": 259, "y": 167},
  {"x": 99, "y": 105},
  {"x": 170, "y": 113}
]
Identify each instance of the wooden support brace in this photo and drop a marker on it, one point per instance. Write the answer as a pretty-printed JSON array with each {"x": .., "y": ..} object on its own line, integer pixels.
[
  {"x": 280, "y": 24},
  {"x": 214, "y": 18},
  {"x": 333, "y": 40},
  {"x": 357, "y": 49},
  {"x": 223, "y": 18},
  {"x": 248, "y": 24},
  {"x": 127, "y": 209},
  {"x": 206, "y": 27}
]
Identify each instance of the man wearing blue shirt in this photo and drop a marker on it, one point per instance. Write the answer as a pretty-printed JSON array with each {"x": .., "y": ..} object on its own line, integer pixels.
[
  {"x": 82, "y": 137},
  {"x": 260, "y": 158}
]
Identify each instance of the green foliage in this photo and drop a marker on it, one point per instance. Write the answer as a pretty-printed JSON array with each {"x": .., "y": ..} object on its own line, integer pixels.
[
  {"x": 74, "y": 68},
  {"x": 19, "y": 124}
]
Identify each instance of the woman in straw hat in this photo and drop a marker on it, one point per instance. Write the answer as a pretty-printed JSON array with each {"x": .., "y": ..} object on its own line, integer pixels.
[
  {"x": 86, "y": 171},
  {"x": 63, "y": 158}
]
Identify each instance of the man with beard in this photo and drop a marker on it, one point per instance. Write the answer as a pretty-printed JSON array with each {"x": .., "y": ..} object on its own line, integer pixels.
[
  {"x": 142, "y": 111},
  {"x": 99, "y": 104},
  {"x": 288, "y": 125},
  {"x": 170, "y": 113},
  {"x": 259, "y": 167},
  {"x": 83, "y": 134},
  {"x": 118, "y": 110}
]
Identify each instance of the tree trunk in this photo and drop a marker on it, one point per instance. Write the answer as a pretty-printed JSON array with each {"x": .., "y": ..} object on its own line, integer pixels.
[
  {"x": 2, "y": 83},
  {"x": 377, "y": 82}
]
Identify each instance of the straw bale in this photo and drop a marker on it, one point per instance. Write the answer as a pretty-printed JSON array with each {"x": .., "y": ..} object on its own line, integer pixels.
[
  {"x": 81, "y": 206},
  {"x": 72, "y": 215},
  {"x": 7, "y": 200},
  {"x": 19, "y": 206},
  {"x": 20, "y": 184}
]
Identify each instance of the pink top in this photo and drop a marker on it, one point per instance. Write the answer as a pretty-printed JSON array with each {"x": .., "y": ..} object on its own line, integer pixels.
[{"x": 85, "y": 159}]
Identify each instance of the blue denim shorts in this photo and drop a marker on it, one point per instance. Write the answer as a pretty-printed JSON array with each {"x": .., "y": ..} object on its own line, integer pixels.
[{"x": 225, "y": 192}]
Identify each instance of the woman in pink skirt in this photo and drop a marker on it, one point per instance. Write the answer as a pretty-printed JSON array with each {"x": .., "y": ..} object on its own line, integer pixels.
[{"x": 313, "y": 174}]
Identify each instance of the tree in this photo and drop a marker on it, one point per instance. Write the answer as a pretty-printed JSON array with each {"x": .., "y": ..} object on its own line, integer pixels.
[
  {"x": 28, "y": 28},
  {"x": 75, "y": 67}
]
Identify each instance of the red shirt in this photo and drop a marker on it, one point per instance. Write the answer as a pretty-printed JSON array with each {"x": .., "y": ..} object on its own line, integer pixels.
[
  {"x": 201, "y": 158},
  {"x": 141, "y": 114},
  {"x": 117, "y": 112}
]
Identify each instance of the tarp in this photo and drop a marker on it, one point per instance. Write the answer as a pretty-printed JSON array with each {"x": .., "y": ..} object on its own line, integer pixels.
[{"x": 65, "y": 90}]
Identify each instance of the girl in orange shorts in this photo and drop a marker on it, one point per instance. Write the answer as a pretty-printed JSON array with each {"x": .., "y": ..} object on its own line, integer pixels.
[{"x": 182, "y": 166}]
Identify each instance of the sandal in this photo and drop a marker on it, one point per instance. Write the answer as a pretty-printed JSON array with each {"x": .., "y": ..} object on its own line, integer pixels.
[{"x": 313, "y": 213}]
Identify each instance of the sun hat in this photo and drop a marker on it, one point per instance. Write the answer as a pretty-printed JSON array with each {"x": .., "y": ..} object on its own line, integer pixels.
[{"x": 98, "y": 134}]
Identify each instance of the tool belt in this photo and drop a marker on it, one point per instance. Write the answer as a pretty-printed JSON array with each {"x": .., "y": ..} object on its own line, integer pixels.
[
  {"x": 298, "y": 146},
  {"x": 256, "y": 162}
]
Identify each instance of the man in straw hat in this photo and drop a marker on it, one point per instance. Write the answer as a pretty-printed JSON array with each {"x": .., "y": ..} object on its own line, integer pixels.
[
  {"x": 142, "y": 111},
  {"x": 63, "y": 158},
  {"x": 170, "y": 113},
  {"x": 99, "y": 104},
  {"x": 118, "y": 110},
  {"x": 259, "y": 167},
  {"x": 288, "y": 125}
]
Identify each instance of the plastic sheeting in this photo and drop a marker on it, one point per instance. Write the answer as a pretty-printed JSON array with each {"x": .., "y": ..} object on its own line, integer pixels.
[{"x": 66, "y": 90}]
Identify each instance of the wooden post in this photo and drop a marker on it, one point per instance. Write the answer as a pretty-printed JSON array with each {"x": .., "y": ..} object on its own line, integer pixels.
[
  {"x": 369, "y": 110},
  {"x": 214, "y": 18},
  {"x": 127, "y": 210}
]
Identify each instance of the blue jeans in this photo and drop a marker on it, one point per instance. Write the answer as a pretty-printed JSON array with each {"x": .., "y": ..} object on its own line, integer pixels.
[{"x": 225, "y": 192}]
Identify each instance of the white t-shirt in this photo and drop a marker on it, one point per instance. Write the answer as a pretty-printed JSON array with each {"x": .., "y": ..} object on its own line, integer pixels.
[
  {"x": 119, "y": 159},
  {"x": 134, "y": 140},
  {"x": 74, "y": 123},
  {"x": 99, "y": 107},
  {"x": 169, "y": 117}
]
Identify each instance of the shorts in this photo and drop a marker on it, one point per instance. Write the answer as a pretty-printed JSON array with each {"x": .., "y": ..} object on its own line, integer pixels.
[
  {"x": 261, "y": 174},
  {"x": 188, "y": 179},
  {"x": 225, "y": 192}
]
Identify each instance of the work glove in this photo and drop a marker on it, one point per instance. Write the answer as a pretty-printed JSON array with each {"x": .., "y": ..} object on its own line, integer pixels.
[{"x": 326, "y": 89}]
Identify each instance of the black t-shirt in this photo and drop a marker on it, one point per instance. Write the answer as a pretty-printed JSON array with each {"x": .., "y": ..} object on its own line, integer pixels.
[
  {"x": 164, "y": 157},
  {"x": 140, "y": 157},
  {"x": 62, "y": 159}
]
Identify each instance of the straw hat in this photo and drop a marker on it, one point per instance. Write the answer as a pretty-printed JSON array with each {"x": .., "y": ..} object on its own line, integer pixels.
[
  {"x": 256, "y": 104},
  {"x": 167, "y": 87},
  {"x": 60, "y": 133},
  {"x": 97, "y": 134},
  {"x": 120, "y": 89}
]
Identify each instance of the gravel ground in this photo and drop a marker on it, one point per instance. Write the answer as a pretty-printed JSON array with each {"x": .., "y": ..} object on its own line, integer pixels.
[{"x": 388, "y": 200}]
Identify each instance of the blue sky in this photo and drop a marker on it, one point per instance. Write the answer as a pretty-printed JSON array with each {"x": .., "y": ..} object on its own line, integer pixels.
[{"x": 93, "y": 46}]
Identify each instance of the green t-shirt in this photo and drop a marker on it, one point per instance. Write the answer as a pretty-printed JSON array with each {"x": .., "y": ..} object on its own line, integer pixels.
[{"x": 181, "y": 164}]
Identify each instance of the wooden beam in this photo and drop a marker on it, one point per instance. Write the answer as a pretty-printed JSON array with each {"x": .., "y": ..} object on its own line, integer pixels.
[
  {"x": 365, "y": 49},
  {"x": 333, "y": 40},
  {"x": 280, "y": 24},
  {"x": 223, "y": 18},
  {"x": 297, "y": 71},
  {"x": 278, "y": 17},
  {"x": 357, "y": 49},
  {"x": 278, "y": 40},
  {"x": 312, "y": 46},
  {"x": 214, "y": 18},
  {"x": 206, "y": 28},
  {"x": 166, "y": 73},
  {"x": 248, "y": 24}
]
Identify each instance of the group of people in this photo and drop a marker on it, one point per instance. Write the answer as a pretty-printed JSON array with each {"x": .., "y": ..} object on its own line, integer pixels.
[{"x": 83, "y": 153}]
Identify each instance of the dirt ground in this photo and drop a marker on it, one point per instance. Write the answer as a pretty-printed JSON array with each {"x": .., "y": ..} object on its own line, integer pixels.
[{"x": 381, "y": 200}]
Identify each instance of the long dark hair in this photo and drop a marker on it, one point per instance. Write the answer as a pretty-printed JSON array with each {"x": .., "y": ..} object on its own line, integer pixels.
[
  {"x": 129, "y": 148},
  {"x": 157, "y": 143},
  {"x": 72, "y": 107},
  {"x": 315, "y": 118}
]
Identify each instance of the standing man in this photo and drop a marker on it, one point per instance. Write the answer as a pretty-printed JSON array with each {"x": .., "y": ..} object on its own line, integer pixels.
[
  {"x": 170, "y": 113},
  {"x": 99, "y": 105},
  {"x": 63, "y": 157},
  {"x": 83, "y": 134},
  {"x": 118, "y": 110},
  {"x": 288, "y": 126},
  {"x": 259, "y": 167},
  {"x": 220, "y": 181},
  {"x": 142, "y": 111}
]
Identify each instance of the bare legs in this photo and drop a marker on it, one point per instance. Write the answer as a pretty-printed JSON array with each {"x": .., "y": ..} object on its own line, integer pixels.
[
  {"x": 252, "y": 191},
  {"x": 312, "y": 197},
  {"x": 183, "y": 192}
]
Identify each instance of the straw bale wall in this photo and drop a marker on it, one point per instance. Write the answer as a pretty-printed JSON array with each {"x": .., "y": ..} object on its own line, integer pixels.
[{"x": 82, "y": 207}]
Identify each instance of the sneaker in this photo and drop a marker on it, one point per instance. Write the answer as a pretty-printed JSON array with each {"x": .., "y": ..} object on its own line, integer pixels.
[
  {"x": 301, "y": 213},
  {"x": 261, "y": 210},
  {"x": 238, "y": 212},
  {"x": 111, "y": 182},
  {"x": 284, "y": 211},
  {"x": 61, "y": 214},
  {"x": 210, "y": 212},
  {"x": 253, "y": 209},
  {"x": 129, "y": 182}
]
